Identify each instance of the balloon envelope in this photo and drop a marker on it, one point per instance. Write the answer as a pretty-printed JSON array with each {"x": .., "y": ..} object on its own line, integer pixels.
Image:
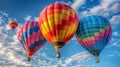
[
  {"x": 30, "y": 37},
  {"x": 58, "y": 23},
  {"x": 13, "y": 24},
  {"x": 93, "y": 33}
]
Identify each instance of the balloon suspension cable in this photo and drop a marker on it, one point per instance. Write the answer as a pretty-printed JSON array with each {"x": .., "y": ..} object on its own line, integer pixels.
[
  {"x": 97, "y": 60},
  {"x": 29, "y": 58},
  {"x": 58, "y": 54}
]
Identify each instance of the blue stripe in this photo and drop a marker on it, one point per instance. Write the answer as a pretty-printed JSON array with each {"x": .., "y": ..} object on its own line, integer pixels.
[
  {"x": 33, "y": 29},
  {"x": 37, "y": 43}
]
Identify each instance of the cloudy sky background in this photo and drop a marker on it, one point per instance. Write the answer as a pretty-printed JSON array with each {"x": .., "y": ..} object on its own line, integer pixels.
[{"x": 73, "y": 55}]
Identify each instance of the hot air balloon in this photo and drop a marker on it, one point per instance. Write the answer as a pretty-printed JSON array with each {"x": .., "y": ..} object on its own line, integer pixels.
[
  {"x": 58, "y": 23},
  {"x": 30, "y": 37},
  {"x": 13, "y": 24},
  {"x": 93, "y": 34}
]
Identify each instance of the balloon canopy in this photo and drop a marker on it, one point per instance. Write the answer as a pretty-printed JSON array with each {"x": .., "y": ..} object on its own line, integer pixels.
[
  {"x": 30, "y": 37},
  {"x": 13, "y": 24},
  {"x": 93, "y": 33},
  {"x": 58, "y": 23}
]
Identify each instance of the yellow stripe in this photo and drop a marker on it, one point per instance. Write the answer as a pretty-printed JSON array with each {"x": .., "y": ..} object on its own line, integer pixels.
[
  {"x": 102, "y": 30},
  {"x": 91, "y": 38},
  {"x": 57, "y": 16},
  {"x": 88, "y": 39},
  {"x": 65, "y": 12},
  {"x": 44, "y": 28},
  {"x": 70, "y": 30},
  {"x": 51, "y": 25},
  {"x": 50, "y": 17},
  {"x": 97, "y": 33}
]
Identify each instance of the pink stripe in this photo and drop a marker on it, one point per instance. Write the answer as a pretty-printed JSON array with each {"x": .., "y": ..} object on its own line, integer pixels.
[
  {"x": 25, "y": 26},
  {"x": 96, "y": 38},
  {"x": 19, "y": 34},
  {"x": 31, "y": 38},
  {"x": 107, "y": 31},
  {"x": 101, "y": 34},
  {"x": 83, "y": 43},
  {"x": 91, "y": 42},
  {"x": 20, "y": 31},
  {"x": 39, "y": 36}
]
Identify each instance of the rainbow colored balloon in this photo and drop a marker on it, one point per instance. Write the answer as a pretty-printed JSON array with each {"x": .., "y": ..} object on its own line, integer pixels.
[
  {"x": 58, "y": 23},
  {"x": 93, "y": 33},
  {"x": 30, "y": 37}
]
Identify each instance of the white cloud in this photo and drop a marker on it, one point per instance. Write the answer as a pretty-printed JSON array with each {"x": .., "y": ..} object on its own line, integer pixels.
[
  {"x": 36, "y": 18},
  {"x": 77, "y": 58},
  {"x": 28, "y": 18},
  {"x": 114, "y": 41},
  {"x": 116, "y": 44},
  {"x": 115, "y": 20},
  {"x": 116, "y": 33},
  {"x": 77, "y": 4},
  {"x": 106, "y": 8}
]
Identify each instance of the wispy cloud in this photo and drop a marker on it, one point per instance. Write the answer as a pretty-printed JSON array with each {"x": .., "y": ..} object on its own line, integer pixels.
[
  {"x": 4, "y": 13},
  {"x": 115, "y": 20},
  {"x": 114, "y": 54},
  {"x": 102, "y": 8},
  {"x": 36, "y": 18},
  {"x": 116, "y": 33},
  {"x": 77, "y": 4},
  {"x": 28, "y": 18},
  {"x": 78, "y": 58},
  {"x": 114, "y": 41}
]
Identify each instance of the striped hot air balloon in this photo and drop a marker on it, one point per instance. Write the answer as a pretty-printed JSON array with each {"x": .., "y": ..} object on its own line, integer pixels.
[
  {"x": 58, "y": 23},
  {"x": 30, "y": 37},
  {"x": 93, "y": 33}
]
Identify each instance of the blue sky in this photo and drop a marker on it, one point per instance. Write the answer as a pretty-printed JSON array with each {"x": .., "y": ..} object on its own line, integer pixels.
[{"x": 72, "y": 54}]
